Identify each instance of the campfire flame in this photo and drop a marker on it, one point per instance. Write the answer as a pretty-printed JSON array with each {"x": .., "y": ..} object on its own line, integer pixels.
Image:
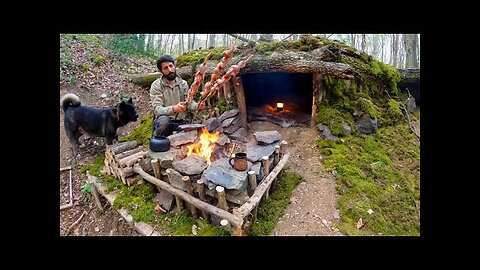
[{"x": 205, "y": 146}]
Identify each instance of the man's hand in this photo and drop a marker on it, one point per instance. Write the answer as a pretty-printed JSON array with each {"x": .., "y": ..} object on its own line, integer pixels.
[
  {"x": 201, "y": 106},
  {"x": 180, "y": 107}
]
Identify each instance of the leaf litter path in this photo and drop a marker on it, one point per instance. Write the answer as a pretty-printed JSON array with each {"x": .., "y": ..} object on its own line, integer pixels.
[{"x": 313, "y": 202}]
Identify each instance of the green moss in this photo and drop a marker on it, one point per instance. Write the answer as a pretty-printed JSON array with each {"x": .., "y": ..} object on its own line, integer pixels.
[
  {"x": 393, "y": 114},
  {"x": 381, "y": 173},
  {"x": 95, "y": 167},
  {"x": 84, "y": 67},
  {"x": 332, "y": 117},
  {"x": 195, "y": 57},
  {"x": 143, "y": 132},
  {"x": 270, "y": 210},
  {"x": 97, "y": 59},
  {"x": 87, "y": 38},
  {"x": 223, "y": 106},
  {"x": 366, "y": 105}
]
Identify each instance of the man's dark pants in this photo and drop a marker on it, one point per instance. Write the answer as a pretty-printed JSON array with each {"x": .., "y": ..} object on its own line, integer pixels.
[{"x": 162, "y": 126}]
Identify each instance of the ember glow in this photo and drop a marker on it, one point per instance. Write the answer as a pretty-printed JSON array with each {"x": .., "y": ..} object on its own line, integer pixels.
[{"x": 205, "y": 146}]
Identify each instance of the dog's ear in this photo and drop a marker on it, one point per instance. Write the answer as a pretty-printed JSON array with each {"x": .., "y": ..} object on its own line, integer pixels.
[{"x": 130, "y": 101}]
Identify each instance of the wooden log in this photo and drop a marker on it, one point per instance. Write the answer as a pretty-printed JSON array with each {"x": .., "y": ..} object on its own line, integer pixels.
[
  {"x": 122, "y": 147},
  {"x": 222, "y": 199},
  {"x": 128, "y": 153},
  {"x": 254, "y": 200},
  {"x": 242, "y": 107},
  {"x": 188, "y": 186},
  {"x": 185, "y": 196},
  {"x": 266, "y": 171},
  {"x": 201, "y": 195},
  {"x": 130, "y": 160}
]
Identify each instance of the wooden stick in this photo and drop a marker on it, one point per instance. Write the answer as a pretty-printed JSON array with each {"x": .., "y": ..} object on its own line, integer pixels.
[
  {"x": 222, "y": 200},
  {"x": 201, "y": 195},
  {"x": 188, "y": 186},
  {"x": 266, "y": 171},
  {"x": 66, "y": 206},
  {"x": 183, "y": 195},
  {"x": 253, "y": 201},
  {"x": 65, "y": 168},
  {"x": 74, "y": 224}
]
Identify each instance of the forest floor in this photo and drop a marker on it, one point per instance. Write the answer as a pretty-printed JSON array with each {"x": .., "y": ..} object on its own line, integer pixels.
[{"x": 312, "y": 204}]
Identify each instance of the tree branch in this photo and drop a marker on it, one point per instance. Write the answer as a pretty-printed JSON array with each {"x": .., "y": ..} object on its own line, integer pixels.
[
  {"x": 287, "y": 37},
  {"x": 241, "y": 38}
]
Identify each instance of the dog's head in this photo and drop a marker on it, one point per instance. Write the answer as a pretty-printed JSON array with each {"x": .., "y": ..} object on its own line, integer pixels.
[{"x": 127, "y": 112}]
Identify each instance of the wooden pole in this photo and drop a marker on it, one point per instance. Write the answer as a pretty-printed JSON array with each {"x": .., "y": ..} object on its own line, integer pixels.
[
  {"x": 276, "y": 159},
  {"x": 156, "y": 169},
  {"x": 201, "y": 195},
  {"x": 188, "y": 186},
  {"x": 266, "y": 171},
  {"x": 185, "y": 196},
  {"x": 97, "y": 198},
  {"x": 178, "y": 200},
  {"x": 242, "y": 107},
  {"x": 222, "y": 200},
  {"x": 225, "y": 225},
  {"x": 253, "y": 201},
  {"x": 252, "y": 181},
  {"x": 283, "y": 148}
]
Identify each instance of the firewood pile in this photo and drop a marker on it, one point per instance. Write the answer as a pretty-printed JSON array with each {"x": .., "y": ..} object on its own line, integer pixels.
[{"x": 120, "y": 158}]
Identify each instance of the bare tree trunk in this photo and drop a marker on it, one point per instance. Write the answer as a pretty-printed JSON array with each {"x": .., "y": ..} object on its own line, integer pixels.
[
  {"x": 267, "y": 37},
  {"x": 395, "y": 56},
  {"x": 171, "y": 43},
  {"x": 364, "y": 43},
  {"x": 211, "y": 42},
  {"x": 383, "y": 45},
  {"x": 193, "y": 43},
  {"x": 410, "y": 50},
  {"x": 352, "y": 39}
]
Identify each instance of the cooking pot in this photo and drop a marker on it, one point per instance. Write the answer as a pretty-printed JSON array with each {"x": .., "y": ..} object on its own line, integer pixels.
[{"x": 159, "y": 144}]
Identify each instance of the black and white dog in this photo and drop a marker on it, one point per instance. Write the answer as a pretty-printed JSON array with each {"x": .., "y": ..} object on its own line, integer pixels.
[{"x": 94, "y": 122}]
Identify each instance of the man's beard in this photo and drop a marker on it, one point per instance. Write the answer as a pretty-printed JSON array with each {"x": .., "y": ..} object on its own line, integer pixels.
[{"x": 171, "y": 76}]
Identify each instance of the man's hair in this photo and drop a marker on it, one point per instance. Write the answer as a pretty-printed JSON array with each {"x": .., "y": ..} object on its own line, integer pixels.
[{"x": 164, "y": 58}]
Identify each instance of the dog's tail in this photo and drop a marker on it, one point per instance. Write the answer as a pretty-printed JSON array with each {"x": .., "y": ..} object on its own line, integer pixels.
[{"x": 69, "y": 100}]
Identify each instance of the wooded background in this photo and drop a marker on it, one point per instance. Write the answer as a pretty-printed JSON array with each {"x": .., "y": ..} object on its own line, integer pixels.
[{"x": 398, "y": 50}]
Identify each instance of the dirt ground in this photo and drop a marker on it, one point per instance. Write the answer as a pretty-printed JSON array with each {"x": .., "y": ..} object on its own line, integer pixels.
[{"x": 312, "y": 204}]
